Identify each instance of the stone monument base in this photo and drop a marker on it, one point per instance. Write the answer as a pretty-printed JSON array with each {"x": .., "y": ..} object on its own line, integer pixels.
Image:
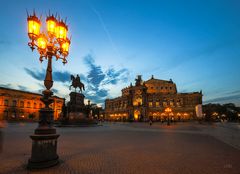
[
  {"x": 77, "y": 118},
  {"x": 77, "y": 112},
  {"x": 76, "y": 115},
  {"x": 44, "y": 153}
]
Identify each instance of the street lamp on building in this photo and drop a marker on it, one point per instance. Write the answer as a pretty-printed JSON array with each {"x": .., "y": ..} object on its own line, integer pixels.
[
  {"x": 168, "y": 111},
  {"x": 51, "y": 43}
]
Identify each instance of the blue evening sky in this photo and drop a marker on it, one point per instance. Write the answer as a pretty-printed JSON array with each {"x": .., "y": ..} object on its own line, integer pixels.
[{"x": 194, "y": 42}]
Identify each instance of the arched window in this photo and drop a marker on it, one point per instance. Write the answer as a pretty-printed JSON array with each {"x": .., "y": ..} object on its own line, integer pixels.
[
  {"x": 165, "y": 104},
  {"x": 171, "y": 103},
  {"x": 21, "y": 104},
  {"x": 178, "y": 102},
  {"x": 28, "y": 104},
  {"x": 6, "y": 102}
]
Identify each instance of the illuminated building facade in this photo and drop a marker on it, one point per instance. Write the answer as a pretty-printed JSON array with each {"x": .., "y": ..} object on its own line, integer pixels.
[
  {"x": 21, "y": 105},
  {"x": 149, "y": 99}
]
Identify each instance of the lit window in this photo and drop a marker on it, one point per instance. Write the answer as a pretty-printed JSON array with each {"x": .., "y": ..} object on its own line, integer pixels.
[
  {"x": 21, "y": 104},
  {"x": 5, "y": 102},
  {"x": 157, "y": 104},
  {"x": 150, "y": 104},
  {"x": 178, "y": 103},
  {"x": 137, "y": 101}
]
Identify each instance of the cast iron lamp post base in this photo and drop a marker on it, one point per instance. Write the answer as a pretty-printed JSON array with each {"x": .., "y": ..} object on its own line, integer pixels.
[
  {"x": 44, "y": 142},
  {"x": 43, "y": 151}
]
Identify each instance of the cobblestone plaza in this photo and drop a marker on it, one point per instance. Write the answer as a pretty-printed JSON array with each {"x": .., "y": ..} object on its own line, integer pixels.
[{"x": 134, "y": 148}]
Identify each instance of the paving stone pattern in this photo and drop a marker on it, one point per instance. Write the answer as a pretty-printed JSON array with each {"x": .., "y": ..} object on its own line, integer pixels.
[{"x": 124, "y": 148}]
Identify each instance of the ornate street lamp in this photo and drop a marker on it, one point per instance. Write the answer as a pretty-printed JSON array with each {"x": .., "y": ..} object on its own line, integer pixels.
[
  {"x": 51, "y": 43},
  {"x": 168, "y": 111}
]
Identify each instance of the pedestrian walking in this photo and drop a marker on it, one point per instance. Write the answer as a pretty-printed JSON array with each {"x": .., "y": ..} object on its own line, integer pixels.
[{"x": 150, "y": 122}]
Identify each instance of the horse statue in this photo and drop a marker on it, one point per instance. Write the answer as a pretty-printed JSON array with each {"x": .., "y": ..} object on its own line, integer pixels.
[{"x": 76, "y": 83}]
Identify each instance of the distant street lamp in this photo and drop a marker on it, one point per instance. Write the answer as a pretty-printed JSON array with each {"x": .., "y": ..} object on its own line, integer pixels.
[
  {"x": 168, "y": 111},
  {"x": 53, "y": 42}
]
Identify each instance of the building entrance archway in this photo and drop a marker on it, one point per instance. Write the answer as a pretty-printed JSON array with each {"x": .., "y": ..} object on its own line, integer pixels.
[{"x": 137, "y": 114}]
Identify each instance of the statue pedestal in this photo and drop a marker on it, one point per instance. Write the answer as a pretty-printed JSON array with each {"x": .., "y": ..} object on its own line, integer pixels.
[
  {"x": 76, "y": 103},
  {"x": 76, "y": 107},
  {"x": 77, "y": 111}
]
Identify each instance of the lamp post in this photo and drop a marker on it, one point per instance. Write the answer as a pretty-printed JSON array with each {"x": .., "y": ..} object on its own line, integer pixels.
[
  {"x": 168, "y": 111},
  {"x": 51, "y": 43}
]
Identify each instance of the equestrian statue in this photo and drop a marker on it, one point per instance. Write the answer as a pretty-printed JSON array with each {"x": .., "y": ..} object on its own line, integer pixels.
[{"x": 76, "y": 83}]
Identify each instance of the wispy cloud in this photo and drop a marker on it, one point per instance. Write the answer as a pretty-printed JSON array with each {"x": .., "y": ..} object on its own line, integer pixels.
[
  {"x": 23, "y": 88},
  {"x": 95, "y": 74},
  {"x": 61, "y": 76},
  {"x": 6, "y": 85},
  {"x": 223, "y": 99},
  {"x": 58, "y": 76},
  {"x": 97, "y": 79},
  {"x": 113, "y": 76},
  {"x": 55, "y": 91},
  {"x": 20, "y": 87},
  {"x": 233, "y": 92},
  {"x": 38, "y": 75}
]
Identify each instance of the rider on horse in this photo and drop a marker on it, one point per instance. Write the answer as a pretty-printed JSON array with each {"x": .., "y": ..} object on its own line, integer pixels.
[{"x": 76, "y": 83}]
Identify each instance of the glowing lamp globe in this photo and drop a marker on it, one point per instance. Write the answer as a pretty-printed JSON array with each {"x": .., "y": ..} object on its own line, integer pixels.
[
  {"x": 51, "y": 25},
  {"x": 65, "y": 47},
  {"x": 34, "y": 25},
  {"x": 42, "y": 42},
  {"x": 61, "y": 32}
]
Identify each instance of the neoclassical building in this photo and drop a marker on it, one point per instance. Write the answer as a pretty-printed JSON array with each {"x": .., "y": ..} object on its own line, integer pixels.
[
  {"x": 22, "y": 105},
  {"x": 149, "y": 99}
]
